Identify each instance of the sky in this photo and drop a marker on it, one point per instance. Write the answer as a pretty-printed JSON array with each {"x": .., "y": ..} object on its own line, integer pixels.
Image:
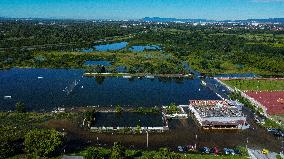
[{"x": 137, "y": 9}]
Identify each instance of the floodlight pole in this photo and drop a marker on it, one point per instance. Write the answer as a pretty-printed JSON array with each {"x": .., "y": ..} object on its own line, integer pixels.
[
  {"x": 147, "y": 138},
  {"x": 195, "y": 145},
  {"x": 247, "y": 143}
]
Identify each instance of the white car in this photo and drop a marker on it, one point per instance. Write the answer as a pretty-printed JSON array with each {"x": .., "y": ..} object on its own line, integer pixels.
[{"x": 180, "y": 149}]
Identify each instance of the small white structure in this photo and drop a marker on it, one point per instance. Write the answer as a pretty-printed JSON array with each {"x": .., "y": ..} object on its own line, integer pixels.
[
  {"x": 126, "y": 76},
  {"x": 7, "y": 97},
  {"x": 59, "y": 110},
  {"x": 151, "y": 77}
]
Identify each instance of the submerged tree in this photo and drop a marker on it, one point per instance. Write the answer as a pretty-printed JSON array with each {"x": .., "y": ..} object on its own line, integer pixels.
[
  {"x": 118, "y": 109},
  {"x": 20, "y": 107}
]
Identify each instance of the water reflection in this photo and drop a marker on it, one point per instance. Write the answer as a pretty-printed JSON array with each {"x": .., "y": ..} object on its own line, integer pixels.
[
  {"x": 111, "y": 47},
  {"x": 47, "y": 92},
  {"x": 94, "y": 63},
  {"x": 140, "y": 48},
  {"x": 100, "y": 80}
]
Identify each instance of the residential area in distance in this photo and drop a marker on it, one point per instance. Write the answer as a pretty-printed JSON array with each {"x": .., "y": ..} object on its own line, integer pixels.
[{"x": 184, "y": 87}]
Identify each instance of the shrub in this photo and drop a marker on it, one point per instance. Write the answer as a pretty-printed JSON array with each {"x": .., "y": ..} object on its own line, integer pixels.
[{"x": 42, "y": 142}]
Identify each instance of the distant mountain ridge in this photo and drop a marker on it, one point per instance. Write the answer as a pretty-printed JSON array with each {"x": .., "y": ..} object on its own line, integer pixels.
[{"x": 159, "y": 19}]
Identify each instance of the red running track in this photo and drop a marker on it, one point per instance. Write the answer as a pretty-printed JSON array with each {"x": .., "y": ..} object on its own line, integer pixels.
[{"x": 272, "y": 100}]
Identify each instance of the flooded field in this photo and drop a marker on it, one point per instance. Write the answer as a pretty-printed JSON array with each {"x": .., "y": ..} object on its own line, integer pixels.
[
  {"x": 45, "y": 89},
  {"x": 139, "y": 48},
  {"x": 119, "y": 46},
  {"x": 127, "y": 119},
  {"x": 95, "y": 63},
  {"x": 238, "y": 75},
  {"x": 111, "y": 47},
  {"x": 182, "y": 132}
]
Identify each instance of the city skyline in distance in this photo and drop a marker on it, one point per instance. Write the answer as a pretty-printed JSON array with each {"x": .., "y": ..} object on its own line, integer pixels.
[{"x": 134, "y": 9}]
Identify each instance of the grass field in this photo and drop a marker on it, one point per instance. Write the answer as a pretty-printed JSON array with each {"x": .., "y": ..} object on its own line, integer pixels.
[
  {"x": 257, "y": 84},
  {"x": 279, "y": 118}
]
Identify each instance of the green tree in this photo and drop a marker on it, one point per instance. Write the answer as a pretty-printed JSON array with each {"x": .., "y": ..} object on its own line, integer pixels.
[
  {"x": 20, "y": 107},
  {"x": 118, "y": 109},
  {"x": 42, "y": 142},
  {"x": 118, "y": 151},
  {"x": 172, "y": 108},
  {"x": 97, "y": 152},
  {"x": 138, "y": 129},
  {"x": 90, "y": 115}
]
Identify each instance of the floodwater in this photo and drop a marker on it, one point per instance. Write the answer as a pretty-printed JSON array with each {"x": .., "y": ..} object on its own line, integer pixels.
[
  {"x": 121, "y": 45},
  {"x": 111, "y": 47},
  {"x": 182, "y": 132},
  {"x": 113, "y": 119},
  {"x": 94, "y": 63},
  {"x": 45, "y": 89},
  {"x": 140, "y": 48},
  {"x": 238, "y": 75}
]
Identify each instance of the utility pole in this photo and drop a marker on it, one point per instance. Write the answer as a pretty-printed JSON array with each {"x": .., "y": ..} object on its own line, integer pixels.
[
  {"x": 147, "y": 139},
  {"x": 282, "y": 146},
  {"x": 247, "y": 143},
  {"x": 195, "y": 145}
]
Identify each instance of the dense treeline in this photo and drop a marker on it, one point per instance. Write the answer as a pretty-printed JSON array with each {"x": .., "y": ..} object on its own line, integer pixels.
[
  {"x": 30, "y": 33},
  {"x": 222, "y": 53},
  {"x": 209, "y": 49}
]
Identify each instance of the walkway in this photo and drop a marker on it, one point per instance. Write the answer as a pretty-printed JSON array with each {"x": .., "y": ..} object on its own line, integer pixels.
[{"x": 256, "y": 154}]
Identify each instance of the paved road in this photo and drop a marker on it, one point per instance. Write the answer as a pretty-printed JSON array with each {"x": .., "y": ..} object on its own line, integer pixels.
[
  {"x": 256, "y": 154},
  {"x": 217, "y": 87}
]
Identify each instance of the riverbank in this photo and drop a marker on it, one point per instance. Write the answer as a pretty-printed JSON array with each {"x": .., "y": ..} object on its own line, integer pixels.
[{"x": 130, "y": 75}]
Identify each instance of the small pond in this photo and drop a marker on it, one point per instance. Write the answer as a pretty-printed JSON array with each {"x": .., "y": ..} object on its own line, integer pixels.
[
  {"x": 111, "y": 47},
  {"x": 87, "y": 50},
  {"x": 140, "y": 48},
  {"x": 94, "y": 63}
]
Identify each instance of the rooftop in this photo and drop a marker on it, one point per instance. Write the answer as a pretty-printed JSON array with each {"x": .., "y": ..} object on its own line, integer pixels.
[{"x": 215, "y": 108}]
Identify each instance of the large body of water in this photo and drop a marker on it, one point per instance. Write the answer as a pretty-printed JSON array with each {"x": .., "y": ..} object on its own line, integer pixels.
[{"x": 45, "y": 89}]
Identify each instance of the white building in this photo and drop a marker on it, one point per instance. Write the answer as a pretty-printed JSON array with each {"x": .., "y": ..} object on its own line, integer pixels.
[{"x": 218, "y": 114}]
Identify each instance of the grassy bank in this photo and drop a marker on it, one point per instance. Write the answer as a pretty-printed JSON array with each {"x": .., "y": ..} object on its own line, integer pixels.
[
  {"x": 99, "y": 152},
  {"x": 15, "y": 125},
  {"x": 257, "y": 85}
]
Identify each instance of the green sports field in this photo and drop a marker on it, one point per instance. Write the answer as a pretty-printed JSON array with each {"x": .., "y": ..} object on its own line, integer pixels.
[{"x": 256, "y": 84}]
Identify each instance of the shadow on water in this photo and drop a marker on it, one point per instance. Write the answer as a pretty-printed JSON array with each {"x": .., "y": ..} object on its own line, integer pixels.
[{"x": 100, "y": 80}]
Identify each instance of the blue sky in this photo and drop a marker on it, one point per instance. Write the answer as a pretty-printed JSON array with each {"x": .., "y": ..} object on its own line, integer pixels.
[{"x": 135, "y": 9}]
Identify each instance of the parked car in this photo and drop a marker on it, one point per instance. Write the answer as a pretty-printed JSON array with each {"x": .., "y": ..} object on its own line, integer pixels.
[
  {"x": 190, "y": 147},
  {"x": 214, "y": 150},
  {"x": 180, "y": 149},
  {"x": 237, "y": 152},
  {"x": 205, "y": 150},
  {"x": 229, "y": 151},
  {"x": 276, "y": 132},
  {"x": 265, "y": 151},
  {"x": 185, "y": 148}
]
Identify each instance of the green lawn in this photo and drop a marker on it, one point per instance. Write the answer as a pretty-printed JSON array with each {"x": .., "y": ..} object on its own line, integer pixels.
[
  {"x": 256, "y": 85},
  {"x": 101, "y": 152}
]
